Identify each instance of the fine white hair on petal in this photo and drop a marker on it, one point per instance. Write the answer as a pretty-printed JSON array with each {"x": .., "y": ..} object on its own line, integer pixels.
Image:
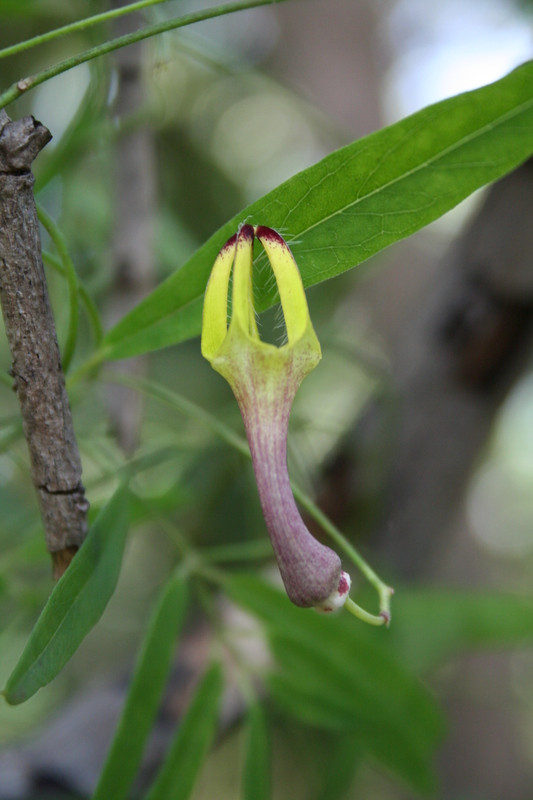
[{"x": 337, "y": 598}]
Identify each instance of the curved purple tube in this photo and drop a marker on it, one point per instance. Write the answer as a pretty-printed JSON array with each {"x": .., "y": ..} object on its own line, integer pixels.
[{"x": 310, "y": 570}]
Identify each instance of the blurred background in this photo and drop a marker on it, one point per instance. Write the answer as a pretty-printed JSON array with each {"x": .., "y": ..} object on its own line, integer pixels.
[{"x": 416, "y": 432}]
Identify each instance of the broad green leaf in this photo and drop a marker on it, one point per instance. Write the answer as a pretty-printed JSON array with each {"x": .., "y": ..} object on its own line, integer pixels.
[
  {"x": 256, "y": 780},
  {"x": 341, "y": 676},
  {"x": 145, "y": 693},
  {"x": 191, "y": 743},
  {"x": 76, "y": 603},
  {"x": 431, "y": 626},
  {"x": 355, "y": 202}
]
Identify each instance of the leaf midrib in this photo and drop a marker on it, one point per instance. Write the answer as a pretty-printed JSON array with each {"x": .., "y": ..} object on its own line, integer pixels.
[
  {"x": 196, "y": 260},
  {"x": 450, "y": 149},
  {"x": 38, "y": 658},
  {"x": 71, "y": 608}
]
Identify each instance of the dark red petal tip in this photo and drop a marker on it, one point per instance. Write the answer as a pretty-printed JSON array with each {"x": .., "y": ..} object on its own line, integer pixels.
[
  {"x": 231, "y": 241},
  {"x": 262, "y": 232},
  {"x": 247, "y": 232}
]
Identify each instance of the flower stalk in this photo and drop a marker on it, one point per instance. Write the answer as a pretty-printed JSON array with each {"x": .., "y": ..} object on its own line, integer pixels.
[
  {"x": 184, "y": 406},
  {"x": 264, "y": 380}
]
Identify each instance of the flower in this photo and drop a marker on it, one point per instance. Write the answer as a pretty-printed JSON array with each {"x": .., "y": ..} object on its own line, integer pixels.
[{"x": 264, "y": 380}]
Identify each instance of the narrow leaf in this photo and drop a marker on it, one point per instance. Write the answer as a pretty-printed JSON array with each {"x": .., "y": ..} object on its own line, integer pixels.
[
  {"x": 191, "y": 743},
  {"x": 355, "y": 202},
  {"x": 145, "y": 693},
  {"x": 256, "y": 780},
  {"x": 76, "y": 603}
]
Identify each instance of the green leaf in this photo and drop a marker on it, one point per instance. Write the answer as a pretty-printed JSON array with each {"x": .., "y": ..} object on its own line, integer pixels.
[
  {"x": 341, "y": 676},
  {"x": 76, "y": 603},
  {"x": 340, "y": 769},
  {"x": 431, "y": 626},
  {"x": 191, "y": 743},
  {"x": 145, "y": 693},
  {"x": 256, "y": 780},
  {"x": 355, "y": 202},
  {"x": 317, "y": 692}
]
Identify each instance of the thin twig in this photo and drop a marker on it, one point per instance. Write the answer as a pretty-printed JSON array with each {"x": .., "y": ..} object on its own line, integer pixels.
[
  {"x": 22, "y": 86},
  {"x": 36, "y": 365},
  {"x": 74, "y": 27},
  {"x": 90, "y": 308}
]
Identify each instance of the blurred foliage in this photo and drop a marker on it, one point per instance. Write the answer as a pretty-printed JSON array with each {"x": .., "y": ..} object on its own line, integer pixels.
[{"x": 335, "y": 695}]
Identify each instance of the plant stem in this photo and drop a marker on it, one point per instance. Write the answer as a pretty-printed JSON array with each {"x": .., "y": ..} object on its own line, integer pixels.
[
  {"x": 239, "y": 443},
  {"x": 186, "y": 551},
  {"x": 73, "y": 27},
  {"x": 183, "y": 405},
  {"x": 89, "y": 368},
  {"x": 22, "y": 86},
  {"x": 363, "y": 615},
  {"x": 238, "y": 551},
  {"x": 72, "y": 281},
  {"x": 9, "y": 436},
  {"x": 90, "y": 308},
  {"x": 6, "y": 379}
]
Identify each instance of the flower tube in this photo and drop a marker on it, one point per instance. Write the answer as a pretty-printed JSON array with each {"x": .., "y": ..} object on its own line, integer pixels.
[{"x": 264, "y": 379}]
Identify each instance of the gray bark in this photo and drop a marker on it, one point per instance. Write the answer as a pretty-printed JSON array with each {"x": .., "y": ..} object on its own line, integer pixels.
[{"x": 36, "y": 364}]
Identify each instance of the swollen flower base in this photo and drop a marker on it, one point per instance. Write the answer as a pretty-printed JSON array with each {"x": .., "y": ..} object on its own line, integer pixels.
[{"x": 265, "y": 379}]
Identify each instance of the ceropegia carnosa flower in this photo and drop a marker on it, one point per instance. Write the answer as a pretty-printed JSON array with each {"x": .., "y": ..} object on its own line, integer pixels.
[{"x": 264, "y": 379}]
